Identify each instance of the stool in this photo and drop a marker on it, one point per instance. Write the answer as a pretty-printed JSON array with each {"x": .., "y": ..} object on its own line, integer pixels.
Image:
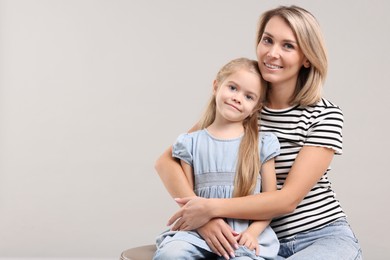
[{"x": 139, "y": 253}]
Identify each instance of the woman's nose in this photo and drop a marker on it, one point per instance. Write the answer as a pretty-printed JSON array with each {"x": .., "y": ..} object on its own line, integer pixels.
[{"x": 273, "y": 52}]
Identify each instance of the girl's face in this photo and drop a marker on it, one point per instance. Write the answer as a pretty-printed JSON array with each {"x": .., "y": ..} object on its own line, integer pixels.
[
  {"x": 279, "y": 55},
  {"x": 237, "y": 96}
]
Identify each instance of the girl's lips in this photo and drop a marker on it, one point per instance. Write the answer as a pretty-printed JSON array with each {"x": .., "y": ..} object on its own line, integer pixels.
[{"x": 233, "y": 106}]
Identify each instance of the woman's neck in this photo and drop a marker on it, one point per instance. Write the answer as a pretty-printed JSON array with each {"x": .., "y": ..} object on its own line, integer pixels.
[{"x": 279, "y": 97}]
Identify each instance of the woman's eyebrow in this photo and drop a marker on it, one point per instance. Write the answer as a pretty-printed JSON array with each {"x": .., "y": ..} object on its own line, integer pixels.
[{"x": 285, "y": 40}]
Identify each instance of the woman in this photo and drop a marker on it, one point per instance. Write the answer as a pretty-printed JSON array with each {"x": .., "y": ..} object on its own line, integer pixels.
[{"x": 307, "y": 218}]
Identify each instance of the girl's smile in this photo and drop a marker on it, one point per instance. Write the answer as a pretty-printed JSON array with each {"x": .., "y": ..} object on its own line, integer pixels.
[{"x": 237, "y": 96}]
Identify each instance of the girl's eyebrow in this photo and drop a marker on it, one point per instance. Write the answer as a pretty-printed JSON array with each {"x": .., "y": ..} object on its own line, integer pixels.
[
  {"x": 234, "y": 83},
  {"x": 287, "y": 40}
]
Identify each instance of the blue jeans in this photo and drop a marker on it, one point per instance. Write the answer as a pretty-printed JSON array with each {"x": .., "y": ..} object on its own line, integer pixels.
[
  {"x": 334, "y": 241},
  {"x": 182, "y": 250}
]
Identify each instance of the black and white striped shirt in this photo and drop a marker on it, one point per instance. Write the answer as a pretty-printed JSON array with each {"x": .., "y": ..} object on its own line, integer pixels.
[{"x": 317, "y": 125}]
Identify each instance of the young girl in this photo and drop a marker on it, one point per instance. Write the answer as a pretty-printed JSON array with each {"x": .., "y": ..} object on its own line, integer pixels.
[
  {"x": 307, "y": 217},
  {"x": 222, "y": 161}
]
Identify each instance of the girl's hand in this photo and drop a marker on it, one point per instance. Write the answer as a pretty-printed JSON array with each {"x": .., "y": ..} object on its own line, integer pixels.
[
  {"x": 220, "y": 237},
  {"x": 249, "y": 240},
  {"x": 194, "y": 214}
]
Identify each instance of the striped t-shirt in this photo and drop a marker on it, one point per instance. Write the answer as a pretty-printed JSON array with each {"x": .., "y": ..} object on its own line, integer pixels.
[{"x": 317, "y": 125}]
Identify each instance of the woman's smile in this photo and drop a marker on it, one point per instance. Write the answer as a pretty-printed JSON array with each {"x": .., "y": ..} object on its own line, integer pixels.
[{"x": 272, "y": 66}]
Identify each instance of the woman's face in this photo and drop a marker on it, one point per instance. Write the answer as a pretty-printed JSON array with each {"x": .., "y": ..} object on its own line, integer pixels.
[{"x": 279, "y": 55}]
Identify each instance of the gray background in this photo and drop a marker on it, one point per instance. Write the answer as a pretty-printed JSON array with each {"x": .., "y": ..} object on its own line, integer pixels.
[{"x": 91, "y": 92}]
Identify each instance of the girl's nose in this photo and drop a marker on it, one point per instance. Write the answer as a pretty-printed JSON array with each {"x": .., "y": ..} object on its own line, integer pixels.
[{"x": 236, "y": 99}]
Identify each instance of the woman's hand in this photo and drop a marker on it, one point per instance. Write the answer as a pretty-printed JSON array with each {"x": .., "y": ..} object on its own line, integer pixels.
[
  {"x": 220, "y": 237},
  {"x": 194, "y": 213}
]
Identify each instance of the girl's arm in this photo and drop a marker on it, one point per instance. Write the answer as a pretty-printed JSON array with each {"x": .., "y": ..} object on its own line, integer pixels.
[
  {"x": 310, "y": 164},
  {"x": 249, "y": 237},
  {"x": 217, "y": 233}
]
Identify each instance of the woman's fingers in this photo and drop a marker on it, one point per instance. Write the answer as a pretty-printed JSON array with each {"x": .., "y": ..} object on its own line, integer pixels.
[
  {"x": 220, "y": 237},
  {"x": 174, "y": 218},
  {"x": 222, "y": 247},
  {"x": 179, "y": 213},
  {"x": 229, "y": 239},
  {"x": 183, "y": 201}
]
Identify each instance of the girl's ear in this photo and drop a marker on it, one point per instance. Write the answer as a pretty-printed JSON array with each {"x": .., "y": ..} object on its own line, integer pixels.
[{"x": 215, "y": 86}]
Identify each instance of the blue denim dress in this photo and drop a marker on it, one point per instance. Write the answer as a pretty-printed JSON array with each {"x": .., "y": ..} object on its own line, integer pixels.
[{"x": 214, "y": 162}]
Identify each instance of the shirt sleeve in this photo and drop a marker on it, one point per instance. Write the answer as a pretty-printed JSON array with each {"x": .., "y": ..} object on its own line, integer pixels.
[
  {"x": 182, "y": 148},
  {"x": 326, "y": 130},
  {"x": 269, "y": 146}
]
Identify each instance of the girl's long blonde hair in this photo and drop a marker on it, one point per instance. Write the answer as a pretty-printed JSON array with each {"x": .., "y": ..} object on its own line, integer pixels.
[
  {"x": 308, "y": 89},
  {"x": 248, "y": 163}
]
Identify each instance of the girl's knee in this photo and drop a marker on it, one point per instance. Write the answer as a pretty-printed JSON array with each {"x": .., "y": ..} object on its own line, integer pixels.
[{"x": 174, "y": 250}]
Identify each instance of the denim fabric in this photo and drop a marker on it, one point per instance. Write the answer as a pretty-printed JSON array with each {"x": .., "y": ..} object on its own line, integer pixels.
[
  {"x": 334, "y": 241},
  {"x": 214, "y": 163},
  {"x": 182, "y": 250}
]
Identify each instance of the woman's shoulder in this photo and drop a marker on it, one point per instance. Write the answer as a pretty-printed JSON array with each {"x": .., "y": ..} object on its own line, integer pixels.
[
  {"x": 326, "y": 104},
  {"x": 322, "y": 107}
]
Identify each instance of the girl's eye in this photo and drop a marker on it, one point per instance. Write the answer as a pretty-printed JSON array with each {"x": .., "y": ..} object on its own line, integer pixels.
[
  {"x": 249, "y": 97},
  {"x": 232, "y": 87}
]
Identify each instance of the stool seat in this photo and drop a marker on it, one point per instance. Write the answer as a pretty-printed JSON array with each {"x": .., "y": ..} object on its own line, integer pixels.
[{"x": 139, "y": 253}]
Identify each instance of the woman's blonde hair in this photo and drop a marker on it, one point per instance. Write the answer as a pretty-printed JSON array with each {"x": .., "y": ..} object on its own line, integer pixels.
[
  {"x": 307, "y": 31},
  {"x": 248, "y": 164}
]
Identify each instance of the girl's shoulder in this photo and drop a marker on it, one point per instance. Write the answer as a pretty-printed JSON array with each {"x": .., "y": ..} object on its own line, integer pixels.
[
  {"x": 192, "y": 135},
  {"x": 267, "y": 137},
  {"x": 269, "y": 146}
]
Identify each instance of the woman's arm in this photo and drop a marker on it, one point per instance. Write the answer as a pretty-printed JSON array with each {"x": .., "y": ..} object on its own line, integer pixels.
[
  {"x": 309, "y": 166},
  {"x": 172, "y": 174},
  {"x": 188, "y": 172}
]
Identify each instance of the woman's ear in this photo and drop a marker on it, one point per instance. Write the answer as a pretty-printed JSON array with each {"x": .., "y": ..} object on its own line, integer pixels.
[{"x": 306, "y": 63}]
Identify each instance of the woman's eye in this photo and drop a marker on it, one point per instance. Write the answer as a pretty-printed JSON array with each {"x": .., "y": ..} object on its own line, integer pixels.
[
  {"x": 267, "y": 40},
  {"x": 289, "y": 46}
]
